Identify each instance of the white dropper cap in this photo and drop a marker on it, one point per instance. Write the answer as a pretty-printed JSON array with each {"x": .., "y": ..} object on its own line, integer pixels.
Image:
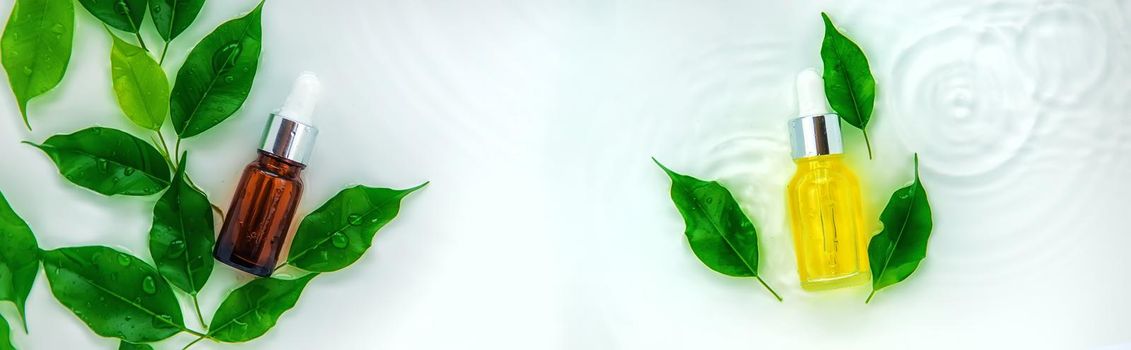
[
  {"x": 816, "y": 131},
  {"x": 299, "y": 105},
  {"x": 811, "y": 94},
  {"x": 290, "y": 132}
]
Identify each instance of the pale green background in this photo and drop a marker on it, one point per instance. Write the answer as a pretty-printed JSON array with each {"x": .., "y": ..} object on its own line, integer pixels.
[{"x": 547, "y": 226}]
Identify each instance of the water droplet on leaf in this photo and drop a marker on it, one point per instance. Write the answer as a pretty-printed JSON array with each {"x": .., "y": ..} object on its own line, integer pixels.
[
  {"x": 148, "y": 286},
  {"x": 339, "y": 240}
]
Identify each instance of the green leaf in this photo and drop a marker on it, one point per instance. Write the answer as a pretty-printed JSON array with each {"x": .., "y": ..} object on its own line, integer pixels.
[
  {"x": 182, "y": 236},
  {"x": 848, "y": 80},
  {"x": 125, "y": 15},
  {"x": 36, "y": 47},
  {"x": 341, "y": 230},
  {"x": 5, "y": 335},
  {"x": 251, "y": 310},
  {"x": 720, "y": 234},
  {"x": 125, "y": 345},
  {"x": 114, "y": 293},
  {"x": 217, "y": 75},
  {"x": 139, "y": 84},
  {"x": 108, "y": 161},
  {"x": 171, "y": 17},
  {"x": 19, "y": 258},
  {"x": 896, "y": 251}
]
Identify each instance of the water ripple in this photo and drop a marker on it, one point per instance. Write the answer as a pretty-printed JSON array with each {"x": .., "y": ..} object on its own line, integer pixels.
[
  {"x": 961, "y": 101},
  {"x": 1011, "y": 109},
  {"x": 1065, "y": 48}
]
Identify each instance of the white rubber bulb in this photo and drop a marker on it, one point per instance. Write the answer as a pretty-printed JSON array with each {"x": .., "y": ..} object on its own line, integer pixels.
[
  {"x": 299, "y": 105},
  {"x": 811, "y": 99}
]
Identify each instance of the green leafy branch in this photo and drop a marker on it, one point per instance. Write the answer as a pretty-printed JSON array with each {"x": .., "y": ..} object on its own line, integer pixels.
[{"x": 115, "y": 293}]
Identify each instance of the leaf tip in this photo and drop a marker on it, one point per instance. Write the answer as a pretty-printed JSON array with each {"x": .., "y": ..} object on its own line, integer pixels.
[
  {"x": 661, "y": 165},
  {"x": 33, "y": 144},
  {"x": 179, "y": 174},
  {"x": 23, "y": 316},
  {"x": 417, "y": 187},
  {"x": 23, "y": 113}
]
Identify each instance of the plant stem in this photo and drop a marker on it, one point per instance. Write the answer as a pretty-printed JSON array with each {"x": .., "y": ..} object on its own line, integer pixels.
[
  {"x": 163, "y": 52},
  {"x": 867, "y": 143},
  {"x": 140, "y": 41},
  {"x": 177, "y": 148},
  {"x": 870, "y": 295},
  {"x": 164, "y": 153},
  {"x": 193, "y": 342},
  {"x": 768, "y": 288},
  {"x": 165, "y": 146},
  {"x": 199, "y": 315},
  {"x": 190, "y": 331}
]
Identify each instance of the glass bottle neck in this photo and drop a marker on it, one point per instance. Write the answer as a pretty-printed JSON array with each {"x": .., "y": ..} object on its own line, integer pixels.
[
  {"x": 279, "y": 165},
  {"x": 821, "y": 161}
]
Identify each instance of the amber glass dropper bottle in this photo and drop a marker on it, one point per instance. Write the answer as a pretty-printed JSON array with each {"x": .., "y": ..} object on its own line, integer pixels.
[
  {"x": 824, "y": 196},
  {"x": 263, "y": 206}
]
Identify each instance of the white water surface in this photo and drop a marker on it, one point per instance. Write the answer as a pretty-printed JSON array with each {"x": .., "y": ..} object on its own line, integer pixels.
[{"x": 546, "y": 225}]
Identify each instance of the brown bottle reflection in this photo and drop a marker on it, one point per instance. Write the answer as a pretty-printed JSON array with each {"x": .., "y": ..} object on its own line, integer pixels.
[{"x": 260, "y": 216}]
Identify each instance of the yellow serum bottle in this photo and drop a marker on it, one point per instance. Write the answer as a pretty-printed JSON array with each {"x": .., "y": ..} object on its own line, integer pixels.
[{"x": 824, "y": 196}]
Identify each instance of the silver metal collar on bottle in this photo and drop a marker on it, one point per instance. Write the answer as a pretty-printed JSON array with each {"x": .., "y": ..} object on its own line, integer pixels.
[
  {"x": 289, "y": 139},
  {"x": 815, "y": 135}
]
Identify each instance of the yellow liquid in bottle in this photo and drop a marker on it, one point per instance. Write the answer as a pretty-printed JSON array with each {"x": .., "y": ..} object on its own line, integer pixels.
[{"x": 828, "y": 226}]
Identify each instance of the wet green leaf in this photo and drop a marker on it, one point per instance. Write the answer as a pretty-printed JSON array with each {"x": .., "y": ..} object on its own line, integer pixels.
[
  {"x": 125, "y": 345},
  {"x": 251, "y": 310},
  {"x": 848, "y": 80},
  {"x": 5, "y": 335},
  {"x": 182, "y": 234},
  {"x": 125, "y": 15},
  {"x": 19, "y": 258},
  {"x": 217, "y": 75},
  {"x": 139, "y": 84},
  {"x": 114, "y": 293},
  {"x": 342, "y": 229},
  {"x": 108, "y": 161},
  {"x": 719, "y": 233},
  {"x": 36, "y": 47},
  {"x": 896, "y": 251},
  {"x": 171, "y": 17}
]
